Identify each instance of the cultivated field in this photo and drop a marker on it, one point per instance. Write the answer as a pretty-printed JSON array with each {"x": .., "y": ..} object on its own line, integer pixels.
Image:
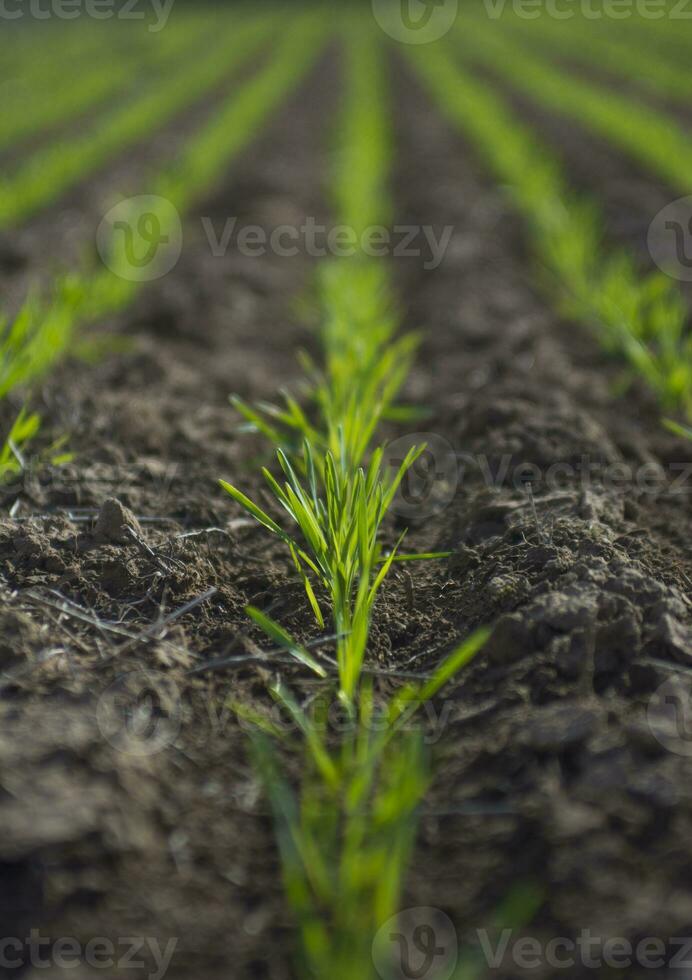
[{"x": 345, "y": 472}]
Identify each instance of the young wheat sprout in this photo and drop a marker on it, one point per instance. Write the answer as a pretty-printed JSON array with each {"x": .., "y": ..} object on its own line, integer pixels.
[{"x": 345, "y": 838}]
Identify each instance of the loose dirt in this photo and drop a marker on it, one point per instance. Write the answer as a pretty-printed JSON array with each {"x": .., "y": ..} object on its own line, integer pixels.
[{"x": 131, "y": 559}]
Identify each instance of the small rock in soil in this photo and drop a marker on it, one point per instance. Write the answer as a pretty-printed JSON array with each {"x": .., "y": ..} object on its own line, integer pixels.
[{"x": 115, "y": 523}]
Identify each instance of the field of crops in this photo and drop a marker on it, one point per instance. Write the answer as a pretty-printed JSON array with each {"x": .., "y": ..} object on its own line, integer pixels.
[{"x": 345, "y": 490}]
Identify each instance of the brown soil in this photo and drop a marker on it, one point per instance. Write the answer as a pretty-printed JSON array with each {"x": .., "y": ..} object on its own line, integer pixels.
[
  {"x": 550, "y": 771},
  {"x": 131, "y": 559}
]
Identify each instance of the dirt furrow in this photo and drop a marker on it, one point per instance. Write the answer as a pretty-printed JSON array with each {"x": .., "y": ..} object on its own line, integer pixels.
[
  {"x": 550, "y": 770},
  {"x": 173, "y": 844}
]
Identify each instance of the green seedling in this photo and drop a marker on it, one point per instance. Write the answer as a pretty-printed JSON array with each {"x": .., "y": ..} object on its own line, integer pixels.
[
  {"x": 336, "y": 542},
  {"x": 650, "y": 136},
  {"x": 679, "y": 430},
  {"x": 60, "y": 165},
  {"x": 50, "y": 101},
  {"x": 641, "y": 317},
  {"x": 630, "y": 57},
  {"x": 46, "y": 328},
  {"x": 347, "y": 835},
  {"x": 13, "y": 452},
  {"x": 346, "y": 831}
]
